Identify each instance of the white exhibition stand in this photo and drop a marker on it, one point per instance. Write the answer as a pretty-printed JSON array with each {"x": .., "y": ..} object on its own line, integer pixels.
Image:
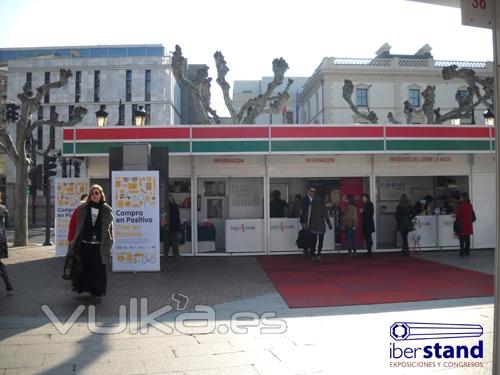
[{"x": 244, "y": 235}]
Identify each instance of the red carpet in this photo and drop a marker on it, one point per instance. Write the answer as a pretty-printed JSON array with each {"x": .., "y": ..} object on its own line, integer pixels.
[{"x": 383, "y": 278}]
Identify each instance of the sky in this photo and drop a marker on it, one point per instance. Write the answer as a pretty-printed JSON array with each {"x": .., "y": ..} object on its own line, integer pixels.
[{"x": 250, "y": 34}]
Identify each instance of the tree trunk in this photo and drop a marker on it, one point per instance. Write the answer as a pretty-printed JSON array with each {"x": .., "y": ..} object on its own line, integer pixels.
[{"x": 21, "y": 203}]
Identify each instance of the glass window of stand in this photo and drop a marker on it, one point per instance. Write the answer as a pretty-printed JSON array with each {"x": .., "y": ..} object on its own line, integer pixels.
[
  {"x": 230, "y": 215},
  {"x": 433, "y": 199},
  {"x": 285, "y": 216}
]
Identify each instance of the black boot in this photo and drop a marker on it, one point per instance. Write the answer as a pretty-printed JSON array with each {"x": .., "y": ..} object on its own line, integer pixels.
[{"x": 5, "y": 278}]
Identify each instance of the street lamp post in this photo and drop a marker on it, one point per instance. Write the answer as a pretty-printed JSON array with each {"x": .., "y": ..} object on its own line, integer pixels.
[
  {"x": 489, "y": 118},
  {"x": 139, "y": 116},
  {"x": 102, "y": 116}
]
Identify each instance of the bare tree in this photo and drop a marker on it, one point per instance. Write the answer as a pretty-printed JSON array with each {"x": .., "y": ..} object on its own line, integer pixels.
[
  {"x": 480, "y": 88},
  {"x": 347, "y": 92},
  {"x": 247, "y": 114},
  {"x": 15, "y": 146}
]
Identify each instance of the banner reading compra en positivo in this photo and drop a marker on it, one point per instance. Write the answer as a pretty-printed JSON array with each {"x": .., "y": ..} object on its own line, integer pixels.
[{"x": 136, "y": 221}]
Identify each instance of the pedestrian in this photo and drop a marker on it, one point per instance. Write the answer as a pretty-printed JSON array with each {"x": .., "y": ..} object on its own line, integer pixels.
[
  {"x": 314, "y": 217},
  {"x": 404, "y": 218},
  {"x": 172, "y": 227},
  {"x": 91, "y": 244},
  {"x": 278, "y": 205},
  {"x": 367, "y": 220},
  {"x": 68, "y": 261},
  {"x": 4, "y": 251},
  {"x": 350, "y": 222},
  {"x": 296, "y": 210},
  {"x": 464, "y": 217}
]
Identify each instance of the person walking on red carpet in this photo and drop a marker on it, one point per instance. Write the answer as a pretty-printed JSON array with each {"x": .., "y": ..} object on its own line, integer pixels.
[
  {"x": 464, "y": 217},
  {"x": 314, "y": 216},
  {"x": 367, "y": 220},
  {"x": 404, "y": 217},
  {"x": 350, "y": 222}
]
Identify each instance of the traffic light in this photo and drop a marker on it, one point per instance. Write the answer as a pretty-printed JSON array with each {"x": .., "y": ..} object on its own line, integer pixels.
[
  {"x": 12, "y": 114},
  {"x": 76, "y": 163},
  {"x": 49, "y": 166}
]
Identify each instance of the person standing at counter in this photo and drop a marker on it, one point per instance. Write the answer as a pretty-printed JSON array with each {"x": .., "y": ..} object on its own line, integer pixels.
[
  {"x": 350, "y": 220},
  {"x": 368, "y": 224},
  {"x": 404, "y": 217},
  {"x": 278, "y": 205},
  {"x": 464, "y": 217}
]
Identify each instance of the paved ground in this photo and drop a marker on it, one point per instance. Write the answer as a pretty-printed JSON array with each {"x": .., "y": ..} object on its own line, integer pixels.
[{"x": 342, "y": 340}]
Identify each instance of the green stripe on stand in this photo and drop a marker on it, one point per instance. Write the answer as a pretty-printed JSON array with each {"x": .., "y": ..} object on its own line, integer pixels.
[
  {"x": 103, "y": 148},
  {"x": 337, "y": 145},
  {"x": 231, "y": 146},
  {"x": 438, "y": 145}
]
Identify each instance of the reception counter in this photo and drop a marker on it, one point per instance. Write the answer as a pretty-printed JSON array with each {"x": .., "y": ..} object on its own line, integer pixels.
[
  {"x": 434, "y": 230},
  {"x": 284, "y": 231},
  {"x": 283, "y": 234},
  {"x": 244, "y": 235}
]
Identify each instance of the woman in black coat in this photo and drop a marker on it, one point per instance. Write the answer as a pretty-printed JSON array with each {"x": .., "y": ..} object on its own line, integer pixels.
[
  {"x": 367, "y": 221},
  {"x": 4, "y": 252},
  {"x": 404, "y": 217}
]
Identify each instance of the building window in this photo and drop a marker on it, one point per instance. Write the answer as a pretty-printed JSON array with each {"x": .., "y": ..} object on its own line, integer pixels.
[
  {"x": 39, "y": 130},
  {"x": 78, "y": 86},
  {"x": 147, "y": 108},
  {"x": 128, "y": 86},
  {"x": 71, "y": 112},
  {"x": 463, "y": 93},
  {"x": 46, "y": 98},
  {"x": 289, "y": 117},
  {"x": 29, "y": 80},
  {"x": 52, "y": 134},
  {"x": 414, "y": 97},
  {"x": 147, "y": 86},
  {"x": 362, "y": 97},
  {"x": 97, "y": 86}
]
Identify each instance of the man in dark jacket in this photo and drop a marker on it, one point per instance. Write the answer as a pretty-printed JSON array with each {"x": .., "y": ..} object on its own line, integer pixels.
[{"x": 173, "y": 224}]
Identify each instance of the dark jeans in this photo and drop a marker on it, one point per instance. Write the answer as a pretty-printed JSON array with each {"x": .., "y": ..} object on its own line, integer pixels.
[
  {"x": 404, "y": 237},
  {"x": 171, "y": 240},
  {"x": 368, "y": 241},
  {"x": 351, "y": 242},
  {"x": 94, "y": 278},
  {"x": 316, "y": 239},
  {"x": 464, "y": 244}
]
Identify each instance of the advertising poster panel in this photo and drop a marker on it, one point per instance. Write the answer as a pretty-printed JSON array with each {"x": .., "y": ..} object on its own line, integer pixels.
[
  {"x": 136, "y": 221},
  {"x": 67, "y": 198}
]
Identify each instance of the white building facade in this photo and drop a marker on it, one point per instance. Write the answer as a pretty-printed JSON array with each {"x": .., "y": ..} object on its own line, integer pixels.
[{"x": 382, "y": 84}]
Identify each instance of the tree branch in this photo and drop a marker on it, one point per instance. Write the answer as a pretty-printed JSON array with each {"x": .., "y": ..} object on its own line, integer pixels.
[
  {"x": 7, "y": 144},
  {"x": 222, "y": 71},
  {"x": 347, "y": 92}
]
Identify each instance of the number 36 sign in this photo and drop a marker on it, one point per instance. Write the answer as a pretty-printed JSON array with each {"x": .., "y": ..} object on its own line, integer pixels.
[{"x": 478, "y": 13}]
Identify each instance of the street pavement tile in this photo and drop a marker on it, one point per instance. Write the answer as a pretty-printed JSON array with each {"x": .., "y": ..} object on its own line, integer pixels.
[
  {"x": 21, "y": 360},
  {"x": 240, "y": 370},
  {"x": 204, "y": 349},
  {"x": 211, "y": 361}
]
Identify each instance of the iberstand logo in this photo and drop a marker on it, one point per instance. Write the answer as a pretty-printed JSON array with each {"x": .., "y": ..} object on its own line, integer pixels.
[{"x": 422, "y": 345}]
